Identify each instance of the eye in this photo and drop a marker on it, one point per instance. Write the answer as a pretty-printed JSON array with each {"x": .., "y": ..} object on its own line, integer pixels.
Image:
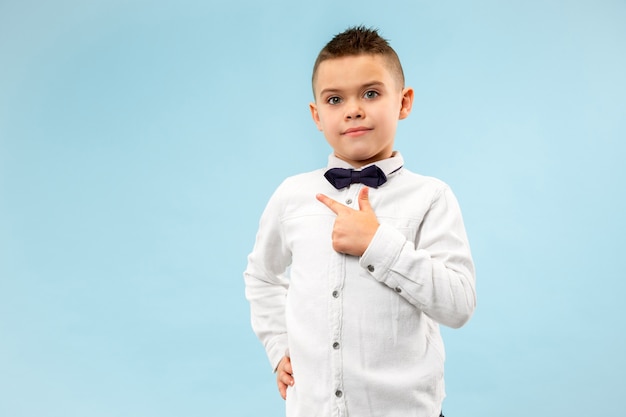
[
  {"x": 333, "y": 100},
  {"x": 370, "y": 94}
]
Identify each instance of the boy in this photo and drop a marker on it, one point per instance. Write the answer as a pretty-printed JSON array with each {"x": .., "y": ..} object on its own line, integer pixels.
[{"x": 356, "y": 265}]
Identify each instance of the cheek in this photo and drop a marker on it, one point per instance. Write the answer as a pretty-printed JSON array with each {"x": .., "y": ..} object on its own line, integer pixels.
[
  {"x": 390, "y": 117},
  {"x": 327, "y": 120}
]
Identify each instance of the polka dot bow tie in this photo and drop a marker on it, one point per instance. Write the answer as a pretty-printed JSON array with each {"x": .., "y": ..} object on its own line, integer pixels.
[{"x": 372, "y": 176}]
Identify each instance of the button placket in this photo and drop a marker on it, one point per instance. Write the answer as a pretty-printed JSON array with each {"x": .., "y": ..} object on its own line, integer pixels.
[
  {"x": 351, "y": 194},
  {"x": 337, "y": 274},
  {"x": 349, "y": 198}
]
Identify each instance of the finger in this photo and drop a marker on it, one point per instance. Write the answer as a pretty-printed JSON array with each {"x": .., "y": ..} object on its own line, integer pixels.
[
  {"x": 282, "y": 389},
  {"x": 364, "y": 200},
  {"x": 285, "y": 372},
  {"x": 281, "y": 381},
  {"x": 335, "y": 206},
  {"x": 285, "y": 378}
]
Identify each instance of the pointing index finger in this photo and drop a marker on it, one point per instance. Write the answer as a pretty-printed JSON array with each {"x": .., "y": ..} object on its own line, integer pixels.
[{"x": 334, "y": 205}]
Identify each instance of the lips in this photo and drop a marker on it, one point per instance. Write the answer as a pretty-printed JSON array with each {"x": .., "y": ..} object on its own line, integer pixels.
[{"x": 356, "y": 131}]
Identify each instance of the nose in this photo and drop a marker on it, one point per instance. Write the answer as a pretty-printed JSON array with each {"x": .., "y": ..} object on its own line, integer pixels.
[{"x": 354, "y": 110}]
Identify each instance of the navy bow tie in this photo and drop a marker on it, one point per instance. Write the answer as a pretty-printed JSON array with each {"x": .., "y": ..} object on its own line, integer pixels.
[{"x": 372, "y": 176}]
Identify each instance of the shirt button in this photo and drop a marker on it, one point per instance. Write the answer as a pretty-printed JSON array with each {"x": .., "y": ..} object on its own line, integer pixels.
[
  {"x": 370, "y": 268},
  {"x": 398, "y": 290},
  {"x": 338, "y": 393},
  {"x": 336, "y": 345},
  {"x": 335, "y": 294},
  {"x": 349, "y": 201}
]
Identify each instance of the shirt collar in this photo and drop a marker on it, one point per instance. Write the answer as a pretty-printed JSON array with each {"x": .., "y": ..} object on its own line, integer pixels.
[{"x": 388, "y": 166}]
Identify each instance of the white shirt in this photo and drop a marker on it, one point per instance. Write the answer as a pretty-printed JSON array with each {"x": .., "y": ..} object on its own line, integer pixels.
[{"x": 362, "y": 332}]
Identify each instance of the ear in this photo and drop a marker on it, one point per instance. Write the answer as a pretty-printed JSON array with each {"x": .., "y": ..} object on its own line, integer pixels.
[
  {"x": 407, "y": 102},
  {"x": 315, "y": 115}
]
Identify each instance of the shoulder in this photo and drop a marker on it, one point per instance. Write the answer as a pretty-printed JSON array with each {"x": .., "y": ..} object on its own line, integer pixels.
[
  {"x": 295, "y": 189},
  {"x": 422, "y": 183}
]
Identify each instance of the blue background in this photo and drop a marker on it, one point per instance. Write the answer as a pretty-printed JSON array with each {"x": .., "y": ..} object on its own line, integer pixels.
[{"x": 140, "y": 141}]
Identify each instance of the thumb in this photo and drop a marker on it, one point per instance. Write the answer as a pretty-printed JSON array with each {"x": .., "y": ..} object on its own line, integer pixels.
[{"x": 364, "y": 200}]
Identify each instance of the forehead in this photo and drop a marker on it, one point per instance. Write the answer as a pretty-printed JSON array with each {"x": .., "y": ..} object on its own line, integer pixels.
[{"x": 352, "y": 70}]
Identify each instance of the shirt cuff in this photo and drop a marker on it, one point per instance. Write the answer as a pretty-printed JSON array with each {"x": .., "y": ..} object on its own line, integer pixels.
[
  {"x": 278, "y": 351},
  {"x": 382, "y": 253}
]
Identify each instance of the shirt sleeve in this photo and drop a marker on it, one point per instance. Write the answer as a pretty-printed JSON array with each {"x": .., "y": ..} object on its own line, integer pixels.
[
  {"x": 266, "y": 283},
  {"x": 436, "y": 272}
]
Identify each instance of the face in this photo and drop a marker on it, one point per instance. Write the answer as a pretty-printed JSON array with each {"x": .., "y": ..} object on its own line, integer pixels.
[{"x": 358, "y": 103}]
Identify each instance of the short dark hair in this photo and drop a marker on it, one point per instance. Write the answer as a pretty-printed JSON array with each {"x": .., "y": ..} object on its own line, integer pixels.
[{"x": 360, "y": 40}]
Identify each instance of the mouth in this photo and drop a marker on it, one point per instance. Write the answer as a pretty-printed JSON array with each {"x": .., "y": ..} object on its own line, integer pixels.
[{"x": 356, "y": 131}]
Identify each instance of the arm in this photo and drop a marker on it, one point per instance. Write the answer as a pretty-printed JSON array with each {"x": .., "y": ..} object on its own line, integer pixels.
[
  {"x": 435, "y": 274},
  {"x": 267, "y": 285}
]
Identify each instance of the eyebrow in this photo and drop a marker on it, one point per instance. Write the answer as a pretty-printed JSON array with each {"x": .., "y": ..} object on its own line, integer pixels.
[{"x": 362, "y": 87}]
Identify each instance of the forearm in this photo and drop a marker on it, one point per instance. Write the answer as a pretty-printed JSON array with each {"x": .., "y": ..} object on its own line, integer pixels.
[
  {"x": 267, "y": 311},
  {"x": 434, "y": 271}
]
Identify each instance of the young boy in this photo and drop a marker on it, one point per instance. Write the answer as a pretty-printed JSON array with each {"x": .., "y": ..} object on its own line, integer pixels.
[{"x": 356, "y": 265}]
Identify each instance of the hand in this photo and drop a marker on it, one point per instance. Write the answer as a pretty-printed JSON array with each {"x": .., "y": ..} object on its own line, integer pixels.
[
  {"x": 284, "y": 376},
  {"x": 354, "y": 229}
]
